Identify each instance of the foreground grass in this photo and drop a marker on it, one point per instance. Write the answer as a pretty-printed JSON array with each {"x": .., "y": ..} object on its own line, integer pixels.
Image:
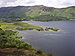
[
  {"x": 20, "y": 52},
  {"x": 11, "y": 45},
  {"x": 10, "y": 39}
]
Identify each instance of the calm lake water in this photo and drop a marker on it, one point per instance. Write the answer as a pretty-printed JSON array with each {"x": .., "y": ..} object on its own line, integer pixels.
[{"x": 60, "y": 43}]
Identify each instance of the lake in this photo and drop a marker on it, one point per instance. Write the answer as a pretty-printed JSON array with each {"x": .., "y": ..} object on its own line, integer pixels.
[{"x": 60, "y": 43}]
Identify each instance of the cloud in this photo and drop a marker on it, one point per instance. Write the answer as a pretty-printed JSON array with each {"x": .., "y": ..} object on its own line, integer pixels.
[
  {"x": 4, "y": 3},
  {"x": 50, "y": 3},
  {"x": 30, "y": 2}
]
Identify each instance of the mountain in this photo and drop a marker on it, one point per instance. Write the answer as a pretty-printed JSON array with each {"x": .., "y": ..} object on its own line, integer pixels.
[{"x": 38, "y": 12}]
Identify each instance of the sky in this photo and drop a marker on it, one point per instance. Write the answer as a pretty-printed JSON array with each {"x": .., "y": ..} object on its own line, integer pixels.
[{"x": 49, "y": 3}]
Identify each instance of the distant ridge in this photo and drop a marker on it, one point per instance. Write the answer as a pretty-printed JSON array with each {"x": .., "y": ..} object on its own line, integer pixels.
[{"x": 38, "y": 11}]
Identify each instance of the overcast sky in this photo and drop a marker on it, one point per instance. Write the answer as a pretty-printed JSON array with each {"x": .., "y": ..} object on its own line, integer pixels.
[{"x": 50, "y": 3}]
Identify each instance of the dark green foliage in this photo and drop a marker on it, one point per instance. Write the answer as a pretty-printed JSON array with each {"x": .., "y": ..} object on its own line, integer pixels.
[
  {"x": 39, "y": 52},
  {"x": 40, "y": 29},
  {"x": 9, "y": 39},
  {"x": 0, "y": 29}
]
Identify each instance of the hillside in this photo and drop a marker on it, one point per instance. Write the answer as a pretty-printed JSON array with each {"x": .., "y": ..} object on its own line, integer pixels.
[{"x": 38, "y": 12}]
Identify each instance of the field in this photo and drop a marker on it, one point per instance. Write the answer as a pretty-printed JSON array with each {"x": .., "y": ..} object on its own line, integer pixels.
[{"x": 17, "y": 26}]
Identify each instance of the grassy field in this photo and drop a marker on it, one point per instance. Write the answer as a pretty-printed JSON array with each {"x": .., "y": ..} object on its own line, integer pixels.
[
  {"x": 23, "y": 26},
  {"x": 17, "y": 26}
]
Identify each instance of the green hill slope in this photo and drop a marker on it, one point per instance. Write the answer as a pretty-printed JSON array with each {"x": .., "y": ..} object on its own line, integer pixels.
[{"x": 39, "y": 12}]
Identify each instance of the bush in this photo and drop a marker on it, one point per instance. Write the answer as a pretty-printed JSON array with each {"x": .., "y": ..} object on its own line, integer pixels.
[
  {"x": 39, "y": 52},
  {"x": 0, "y": 29},
  {"x": 9, "y": 39}
]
